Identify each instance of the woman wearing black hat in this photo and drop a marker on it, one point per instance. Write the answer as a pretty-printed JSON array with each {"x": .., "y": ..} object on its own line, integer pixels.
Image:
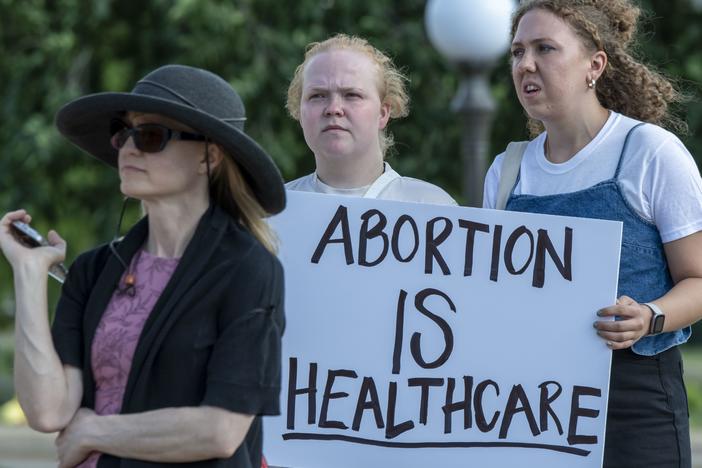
[{"x": 165, "y": 348}]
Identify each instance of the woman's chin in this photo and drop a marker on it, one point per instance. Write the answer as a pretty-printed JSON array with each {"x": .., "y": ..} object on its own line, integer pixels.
[
  {"x": 133, "y": 191},
  {"x": 533, "y": 112}
]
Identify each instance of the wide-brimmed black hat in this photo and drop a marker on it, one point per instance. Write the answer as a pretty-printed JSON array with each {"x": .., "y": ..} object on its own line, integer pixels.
[{"x": 194, "y": 97}]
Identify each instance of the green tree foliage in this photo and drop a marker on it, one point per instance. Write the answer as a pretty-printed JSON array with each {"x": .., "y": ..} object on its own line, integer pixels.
[{"x": 54, "y": 50}]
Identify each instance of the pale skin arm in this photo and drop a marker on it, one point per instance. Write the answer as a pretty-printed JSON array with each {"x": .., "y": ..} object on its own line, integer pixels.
[
  {"x": 682, "y": 305},
  {"x": 48, "y": 392},
  {"x": 169, "y": 435}
]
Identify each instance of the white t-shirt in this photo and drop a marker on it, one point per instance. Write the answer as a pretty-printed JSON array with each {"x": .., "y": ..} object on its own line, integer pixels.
[
  {"x": 658, "y": 176},
  {"x": 389, "y": 186}
]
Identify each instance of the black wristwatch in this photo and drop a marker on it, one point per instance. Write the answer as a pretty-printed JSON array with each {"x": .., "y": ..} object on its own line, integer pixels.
[{"x": 657, "y": 319}]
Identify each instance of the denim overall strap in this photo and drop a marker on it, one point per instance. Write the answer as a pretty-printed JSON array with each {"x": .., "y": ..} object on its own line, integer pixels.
[
  {"x": 625, "y": 147},
  {"x": 643, "y": 270},
  {"x": 641, "y": 282}
]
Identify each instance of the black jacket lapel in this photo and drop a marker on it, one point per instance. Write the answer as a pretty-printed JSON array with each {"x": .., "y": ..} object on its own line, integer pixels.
[
  {"x": 102, "y": 291},
  {"x": 196, "y": 257}
]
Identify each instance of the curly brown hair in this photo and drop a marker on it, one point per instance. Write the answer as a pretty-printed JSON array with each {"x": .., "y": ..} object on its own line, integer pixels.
[
  {"x": 626, "y": 86},
  {"x": 392, "y": 83}
]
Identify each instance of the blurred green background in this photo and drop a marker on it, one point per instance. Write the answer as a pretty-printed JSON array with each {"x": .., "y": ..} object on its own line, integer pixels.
[{"x": 54, "y": 50}]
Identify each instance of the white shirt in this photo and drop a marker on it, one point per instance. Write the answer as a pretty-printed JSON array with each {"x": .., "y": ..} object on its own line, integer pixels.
[
  {"x": 389, "y": 186},
  {"x": 658, "y": 177}
]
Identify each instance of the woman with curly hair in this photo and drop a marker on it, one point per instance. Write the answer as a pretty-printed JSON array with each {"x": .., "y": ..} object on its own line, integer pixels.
[{"x": 600, "y": 151}]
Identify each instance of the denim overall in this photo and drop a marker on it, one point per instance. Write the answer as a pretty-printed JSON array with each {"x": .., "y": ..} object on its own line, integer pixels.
[{"x": 647, "y": 420}]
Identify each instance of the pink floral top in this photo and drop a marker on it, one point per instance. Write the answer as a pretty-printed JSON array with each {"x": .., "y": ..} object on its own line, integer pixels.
[{"x": 117, "y": 334}]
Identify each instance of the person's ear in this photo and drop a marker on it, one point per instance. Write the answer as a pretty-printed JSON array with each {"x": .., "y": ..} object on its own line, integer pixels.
[
  {"x": 384, "y": 115},
  {"x": 215, "y": 154},
  {"x": 598, "y": 63}
]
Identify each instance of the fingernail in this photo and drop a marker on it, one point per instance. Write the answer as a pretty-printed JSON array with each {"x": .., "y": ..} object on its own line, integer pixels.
[
  {"x": 599, "y": 313},
  {"x": 594, "y": 324},
  {"x": 610, "y": 344}
]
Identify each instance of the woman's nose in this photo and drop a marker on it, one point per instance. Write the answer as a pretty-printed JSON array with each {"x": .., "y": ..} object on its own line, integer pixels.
[
  {"x": 334, "y": 106},
  {"x": 129, "y": 147},
  {"x": 526, "y": 62}
]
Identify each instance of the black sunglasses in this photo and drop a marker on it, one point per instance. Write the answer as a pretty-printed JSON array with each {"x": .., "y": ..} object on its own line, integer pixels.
[{"x": 149, "y": 138}]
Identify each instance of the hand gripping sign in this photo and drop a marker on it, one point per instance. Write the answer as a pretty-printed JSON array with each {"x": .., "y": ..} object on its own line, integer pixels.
[{"x": 422, "y": 335}]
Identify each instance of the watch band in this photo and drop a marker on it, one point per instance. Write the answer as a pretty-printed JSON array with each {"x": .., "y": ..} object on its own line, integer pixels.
[{"x": 657, "y": 319}]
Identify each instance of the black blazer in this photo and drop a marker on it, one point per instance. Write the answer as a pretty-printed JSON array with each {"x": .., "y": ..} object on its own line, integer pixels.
[{"x": 212, "y": 338}]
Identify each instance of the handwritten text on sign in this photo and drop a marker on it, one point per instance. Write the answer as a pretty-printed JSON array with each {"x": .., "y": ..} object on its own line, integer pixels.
[{"x": 463, "y": 335}]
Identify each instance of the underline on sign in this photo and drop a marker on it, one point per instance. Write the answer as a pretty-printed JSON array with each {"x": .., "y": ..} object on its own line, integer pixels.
[{"x": 384, "y": 443}]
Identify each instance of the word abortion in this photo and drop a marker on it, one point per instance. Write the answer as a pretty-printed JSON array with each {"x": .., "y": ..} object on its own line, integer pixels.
[{"x": 389, "y": 242}]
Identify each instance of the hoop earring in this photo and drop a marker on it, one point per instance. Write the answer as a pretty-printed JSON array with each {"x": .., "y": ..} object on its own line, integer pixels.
[{"x": 591, "y": 84}]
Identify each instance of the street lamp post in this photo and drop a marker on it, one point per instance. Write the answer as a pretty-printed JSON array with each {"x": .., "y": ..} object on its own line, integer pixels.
[{"x": 473, "y": 35}]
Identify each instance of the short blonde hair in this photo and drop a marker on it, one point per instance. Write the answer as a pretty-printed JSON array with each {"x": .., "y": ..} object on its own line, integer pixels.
[{"x": 391, "y": 83}]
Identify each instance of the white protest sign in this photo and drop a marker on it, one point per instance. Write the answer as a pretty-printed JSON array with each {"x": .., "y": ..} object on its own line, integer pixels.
[{"x": 422, "y": 336}]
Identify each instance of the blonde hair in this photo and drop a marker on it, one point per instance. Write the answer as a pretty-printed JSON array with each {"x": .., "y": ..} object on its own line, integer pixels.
[
  {"x": 626, "y": 86},
  {"x": 230, "y": 190},
  {"x": 391, "y": 81}
]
